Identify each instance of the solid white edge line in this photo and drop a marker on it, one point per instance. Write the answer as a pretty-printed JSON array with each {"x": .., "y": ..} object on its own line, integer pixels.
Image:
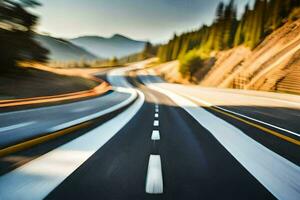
[
  {"x": 98, "y": 114},
  {"x": 156, "y": 123},
  {"x": 241, "y": 115},
  {"x": 36, "y": 179},
  {"x": 155, "y": 135},
  {"x": 277, "y": 174},
  {"x": 154, "y": 178}
]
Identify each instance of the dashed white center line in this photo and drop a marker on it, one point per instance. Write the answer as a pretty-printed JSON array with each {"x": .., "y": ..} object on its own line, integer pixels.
[
  {"x": 156, "y": 110},
  {"x": 156, "y": 123},
  {"x": 155, "y": 135},
  {"x": 156, "y": 115},
  {"x": 154, "y": 179}
]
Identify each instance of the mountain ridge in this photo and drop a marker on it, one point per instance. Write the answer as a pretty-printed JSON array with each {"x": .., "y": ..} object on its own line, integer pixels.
[
  {"x": 117, "y": 35},
  {"x": 63, "y": 50},
  {"x": 107, "y": 47}
]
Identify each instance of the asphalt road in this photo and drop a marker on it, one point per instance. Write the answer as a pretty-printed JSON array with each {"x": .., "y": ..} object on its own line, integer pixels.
[
  {"x": 194, "y": 164},
  {"x": 22, "y": 125},
  {"x": 170, "y": 144}
]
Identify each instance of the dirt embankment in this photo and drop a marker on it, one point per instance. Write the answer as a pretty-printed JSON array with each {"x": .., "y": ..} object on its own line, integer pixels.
[
  {"x": 274, "y": 65},
  {"x": 35, "y": 83}
]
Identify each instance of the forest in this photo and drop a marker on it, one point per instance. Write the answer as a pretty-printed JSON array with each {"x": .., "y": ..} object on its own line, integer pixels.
[{"x": 228, "y": 31}]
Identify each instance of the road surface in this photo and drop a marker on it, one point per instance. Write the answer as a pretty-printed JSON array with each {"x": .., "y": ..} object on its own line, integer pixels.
[{"x": 173, "y": 142}]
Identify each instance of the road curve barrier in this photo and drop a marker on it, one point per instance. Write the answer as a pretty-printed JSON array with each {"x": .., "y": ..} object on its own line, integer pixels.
[{"x": 102, "y": 88}]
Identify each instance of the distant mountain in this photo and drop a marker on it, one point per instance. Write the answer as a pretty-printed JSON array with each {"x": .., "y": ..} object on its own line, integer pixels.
[
  {"x": 117, "y": 45},
  {"x": 63, "y": 50}
]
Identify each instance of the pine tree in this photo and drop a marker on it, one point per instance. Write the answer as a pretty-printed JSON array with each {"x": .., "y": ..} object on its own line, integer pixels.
[
  {"x": 275, "y": 11},
  {"x": 229, "y": 25},
  {"x": 176, "y": 47},
  {"x": 16, "y": 35},
  {"x": 219, "y": 27},
  {"x": 238, "y": 38},
  {"x": 226, "y": 31},
  {"x": 147, "y": 52},
  {"x": 257, "y": 28}
]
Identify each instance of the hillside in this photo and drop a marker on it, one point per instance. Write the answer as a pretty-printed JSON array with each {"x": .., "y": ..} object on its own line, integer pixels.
[
  {"x": 274, "y": 65},
  {"x": 62, "y": 50},
  {"x": 115, "y": 46},
  {"x": 35, "y": 83},
  {"x": 266, "y": 67}
]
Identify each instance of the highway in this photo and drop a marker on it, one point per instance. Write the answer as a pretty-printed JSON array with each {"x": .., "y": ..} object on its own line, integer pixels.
[{"x": 171, "y": 142}]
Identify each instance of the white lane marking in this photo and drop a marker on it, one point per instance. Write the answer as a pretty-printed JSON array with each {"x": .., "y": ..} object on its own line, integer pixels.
[
  {"x": 156, "y": 110},
  {"x": 156, "y": 115},
  {"x": 156, "y": 123},
  {"x": 280, "y": 176},
  {"x": 156, "y": 106},
  {"x": 155, "y": 135},
  {"x": 98, "y": 114},
  {"x": 241, "y": 115},
  {"x": 36, "y": 179},
  {"x": 16, "y": 126},
  {"x": 154, "y": 179},
  {"x": 146, "y": 81}
]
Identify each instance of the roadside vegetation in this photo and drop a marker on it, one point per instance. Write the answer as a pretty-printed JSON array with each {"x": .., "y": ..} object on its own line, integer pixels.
[
  {"x": 18, "y": 48},
  {"x": 228, "y": 31},
  {"x": 16, "y": 35},
  {"x": 190, "y": 63}
]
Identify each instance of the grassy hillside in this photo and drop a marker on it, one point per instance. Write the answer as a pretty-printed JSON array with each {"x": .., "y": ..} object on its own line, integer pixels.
[
  {"x": 62, "y": 50},
  {"x": 115, "y": 46}
]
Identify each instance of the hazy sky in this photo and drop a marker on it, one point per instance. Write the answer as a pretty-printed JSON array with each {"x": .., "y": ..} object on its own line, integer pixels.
[{"x": 154, "y": 20}]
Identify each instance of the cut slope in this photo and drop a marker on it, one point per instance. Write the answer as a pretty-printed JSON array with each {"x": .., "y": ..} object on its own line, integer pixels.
[
  {"x": 269, "y": 57},
  {"x": 271, "y": 66},
  {"x": 227, "y": 63},
  {"x": 290, "y": 76},
  {"x": 62, "y": 50}
]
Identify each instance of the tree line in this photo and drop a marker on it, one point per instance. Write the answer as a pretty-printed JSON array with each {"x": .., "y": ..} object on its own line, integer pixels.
[
  {"x": 16, "y": 35},
  {"x": 228, "y": 31}
]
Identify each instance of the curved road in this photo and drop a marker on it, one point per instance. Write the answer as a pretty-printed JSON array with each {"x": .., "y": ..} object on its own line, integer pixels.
[
  {"x": 18, "y": 126},
  {"x": 173, "y": 142}
]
